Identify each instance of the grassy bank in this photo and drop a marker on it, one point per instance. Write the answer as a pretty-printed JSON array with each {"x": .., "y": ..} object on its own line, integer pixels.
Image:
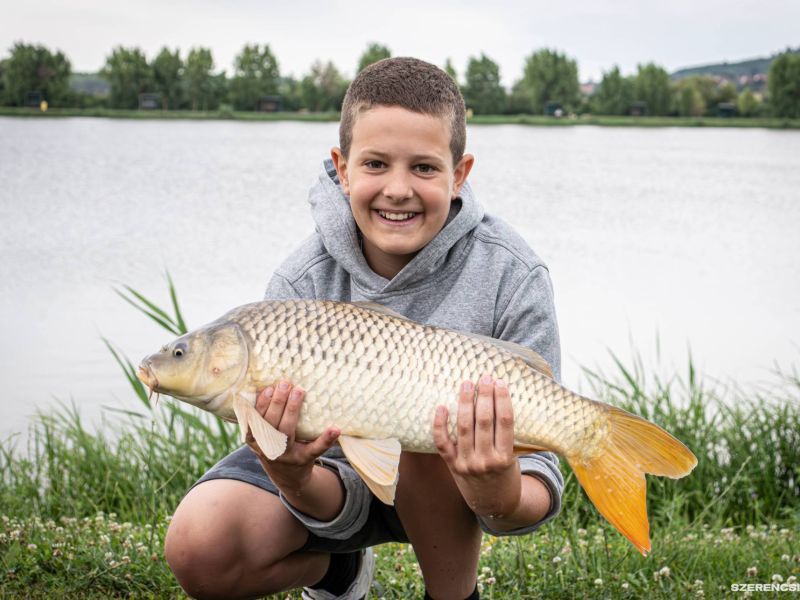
[
  {"x": 534, "y": 120},
  {"x": 84, "y": 514}
]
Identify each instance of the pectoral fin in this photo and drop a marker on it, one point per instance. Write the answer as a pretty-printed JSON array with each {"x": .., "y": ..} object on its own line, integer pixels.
[
  {"x": 271, "y": 441},
  {"x": 376, "y": 461}
]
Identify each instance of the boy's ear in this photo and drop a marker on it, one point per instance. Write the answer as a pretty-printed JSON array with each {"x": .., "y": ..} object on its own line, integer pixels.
[
  {"x": 340, "y": 162},
  {"x": 460, "y": 173}
]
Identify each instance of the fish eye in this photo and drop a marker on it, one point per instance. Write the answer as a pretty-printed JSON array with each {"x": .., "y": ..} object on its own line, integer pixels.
[{"x": 179, "y": 350}]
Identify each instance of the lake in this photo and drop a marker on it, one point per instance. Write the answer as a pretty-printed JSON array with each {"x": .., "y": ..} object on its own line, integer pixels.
[{"x": 667, "y": 241}]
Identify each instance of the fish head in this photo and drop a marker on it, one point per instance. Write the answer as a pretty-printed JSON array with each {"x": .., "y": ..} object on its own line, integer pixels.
[{"x": 199, "y": 367}]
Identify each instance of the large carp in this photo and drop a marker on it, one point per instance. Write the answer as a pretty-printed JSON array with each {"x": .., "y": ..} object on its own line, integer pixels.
[{"x": 379, "y": 377}]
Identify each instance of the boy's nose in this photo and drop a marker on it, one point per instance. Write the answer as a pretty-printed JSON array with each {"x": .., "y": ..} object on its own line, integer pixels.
[{"x": 398, "y": 187}]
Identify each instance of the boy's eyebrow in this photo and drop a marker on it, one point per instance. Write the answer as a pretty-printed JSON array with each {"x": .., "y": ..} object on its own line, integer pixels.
[{"x": 414, "y": 157}]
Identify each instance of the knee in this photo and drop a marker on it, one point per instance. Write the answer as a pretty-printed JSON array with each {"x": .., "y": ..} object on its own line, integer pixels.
[{"x": 201, "y": 556}]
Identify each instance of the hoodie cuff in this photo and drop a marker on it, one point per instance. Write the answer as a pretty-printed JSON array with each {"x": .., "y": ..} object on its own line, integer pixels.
[
  {"x": 543, "y": 466},
  {"x": 354, "y": 512}
]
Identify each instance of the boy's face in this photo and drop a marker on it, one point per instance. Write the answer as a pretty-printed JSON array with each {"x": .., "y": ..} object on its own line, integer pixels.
[{"x": 401, "y": 179}]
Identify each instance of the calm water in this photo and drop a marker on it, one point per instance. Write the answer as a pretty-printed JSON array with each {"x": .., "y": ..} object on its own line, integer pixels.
[{"x": 688, "y": 236}]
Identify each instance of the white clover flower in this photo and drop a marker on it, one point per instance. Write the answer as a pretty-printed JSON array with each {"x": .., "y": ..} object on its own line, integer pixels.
[
  {"x": 486, "y": 570},
  {"x": 749, "y": 528},
  {"x": 109, "y": 555},
  {"x": 581, "y": 532},
  {"x": 625, "y": 585},
  {"x": 776, "y": 578},
  {"x": 698, "y": 583},
  {"x": 556, "y": 559},
  {"x": 598, "y": 582},
  {"x": 791, "y": 579},
  {"x": 664, "y": 572},
  {"x": 785, "y": 557},
  {"x": 752, "y": 571},
  {"x": 529, "y": 566},
  {"x": 32, "y": 547},
  {"x": 491, "y": 581}
]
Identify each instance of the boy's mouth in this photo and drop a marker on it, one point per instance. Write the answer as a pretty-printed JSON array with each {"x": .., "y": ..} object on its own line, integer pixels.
[{"x": 396, "y": 217}]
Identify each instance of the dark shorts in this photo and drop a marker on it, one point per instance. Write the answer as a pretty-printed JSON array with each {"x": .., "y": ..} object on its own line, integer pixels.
[{"x": 382, "y": 525}]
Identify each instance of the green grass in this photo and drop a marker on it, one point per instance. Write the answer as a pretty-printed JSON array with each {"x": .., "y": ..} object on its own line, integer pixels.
[
  {"x": 84, "y": 512},
  {"x": 534, "y": 120}
]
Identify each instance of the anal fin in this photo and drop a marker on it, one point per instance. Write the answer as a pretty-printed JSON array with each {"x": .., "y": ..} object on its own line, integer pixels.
[
  {"x": 376, "y": 461},
  {"x": 528, "y": 448}
]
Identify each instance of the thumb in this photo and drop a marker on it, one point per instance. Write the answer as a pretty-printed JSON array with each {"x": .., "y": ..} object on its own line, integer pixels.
[{"x": 320, "y": 445}]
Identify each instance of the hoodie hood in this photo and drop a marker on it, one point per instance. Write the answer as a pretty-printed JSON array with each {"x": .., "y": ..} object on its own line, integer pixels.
[{"x": 330, "y": 208}]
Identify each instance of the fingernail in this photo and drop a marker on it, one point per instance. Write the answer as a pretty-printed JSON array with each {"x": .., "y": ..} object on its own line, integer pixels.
[
  {"x": 296, "y": 393},
  {"x": 486, "y": 379},
  {"x": 467, "y": 386},
  {"x": 333, "y": 435},
  {"x": 500, "y": 383},
  {"x": 440, "y": 411},
  {"x": 283, "y": 386},
  {"x": 268, "y": 392}
]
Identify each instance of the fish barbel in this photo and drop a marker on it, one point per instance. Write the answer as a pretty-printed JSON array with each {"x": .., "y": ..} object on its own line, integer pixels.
[{"x": 379, "y": 377}]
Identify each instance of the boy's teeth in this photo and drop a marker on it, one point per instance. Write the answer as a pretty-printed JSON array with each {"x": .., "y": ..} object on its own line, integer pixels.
[{"x": 396, "y": 216}]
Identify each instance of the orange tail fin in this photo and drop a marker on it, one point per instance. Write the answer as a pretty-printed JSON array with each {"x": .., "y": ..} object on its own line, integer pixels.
[{"x": 614, "y": 479}]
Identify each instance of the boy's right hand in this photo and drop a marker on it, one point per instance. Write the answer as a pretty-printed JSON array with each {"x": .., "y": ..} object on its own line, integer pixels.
[{"x": 292, "y": 471}]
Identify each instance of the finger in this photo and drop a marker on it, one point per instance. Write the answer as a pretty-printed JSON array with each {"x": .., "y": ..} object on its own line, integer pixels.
[
  {"x": 484, "y": 416},
  {"x": 465, "y": 420},
  {"x": 291, "y": 414},
  {"x": 319, "y": 446},
  {"x": 278, "y": 403},
  {"x": 441, "y": 435},
  {"x": 503, "y": 419},
  {"x": 263, "y": 400}
]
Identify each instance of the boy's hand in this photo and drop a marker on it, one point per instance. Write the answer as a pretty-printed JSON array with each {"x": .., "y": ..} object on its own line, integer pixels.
[
  {"x": 482, "y": 458},
  {"x": 293, "y": 471}
]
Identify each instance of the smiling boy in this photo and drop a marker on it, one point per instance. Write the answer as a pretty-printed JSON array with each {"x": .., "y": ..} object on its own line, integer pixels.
[{"x": 397, "y": 224}]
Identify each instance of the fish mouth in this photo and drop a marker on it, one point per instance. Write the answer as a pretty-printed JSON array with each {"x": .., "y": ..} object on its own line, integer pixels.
[{"x": 146, "y": 376}]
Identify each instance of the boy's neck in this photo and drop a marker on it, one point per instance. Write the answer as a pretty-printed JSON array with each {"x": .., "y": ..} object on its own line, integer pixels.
[{"x": 385, "y": 265}]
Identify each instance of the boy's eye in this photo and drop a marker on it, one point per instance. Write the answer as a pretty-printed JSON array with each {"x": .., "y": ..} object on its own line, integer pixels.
[
  {"x": 424, "y": 168},
  {"x": 373, "y": 164}
]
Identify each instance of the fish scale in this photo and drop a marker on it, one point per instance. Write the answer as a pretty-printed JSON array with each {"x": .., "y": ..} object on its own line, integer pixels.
[{"x": 358, "y": 366}]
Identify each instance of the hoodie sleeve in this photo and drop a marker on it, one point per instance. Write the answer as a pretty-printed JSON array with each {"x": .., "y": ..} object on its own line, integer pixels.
[
  {"x": 357, "y": 498},
  {"x": 529, "y": 319}
]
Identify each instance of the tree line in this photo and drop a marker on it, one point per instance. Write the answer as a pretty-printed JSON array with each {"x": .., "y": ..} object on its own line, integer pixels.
[{"x": 549, "y": 83}]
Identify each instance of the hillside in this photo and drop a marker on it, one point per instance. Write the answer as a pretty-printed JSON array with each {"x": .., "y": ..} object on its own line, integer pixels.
[{"x": 731, "y": 71}]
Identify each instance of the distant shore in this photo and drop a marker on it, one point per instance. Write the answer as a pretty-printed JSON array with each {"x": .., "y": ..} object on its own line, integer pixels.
[{"x": 535, "y": 120}]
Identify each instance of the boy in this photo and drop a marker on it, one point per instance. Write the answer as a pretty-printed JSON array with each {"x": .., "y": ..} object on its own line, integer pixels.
[{"x": 398, "y": 225}]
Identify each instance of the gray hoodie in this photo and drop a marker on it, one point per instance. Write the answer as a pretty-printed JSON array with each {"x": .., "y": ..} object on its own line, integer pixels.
[{"x": 477, "y": 275}]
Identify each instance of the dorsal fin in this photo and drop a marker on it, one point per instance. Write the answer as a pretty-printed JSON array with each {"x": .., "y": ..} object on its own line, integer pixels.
[
  {"x": 531, "y": 358},
  {"x": 381, "y": 309}
]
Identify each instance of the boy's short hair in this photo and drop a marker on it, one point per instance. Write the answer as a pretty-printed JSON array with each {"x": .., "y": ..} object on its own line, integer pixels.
[{"x": 412, "y": 84}]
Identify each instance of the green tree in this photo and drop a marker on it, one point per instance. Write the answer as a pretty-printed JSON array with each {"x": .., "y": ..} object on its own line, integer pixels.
[
  {"x": 291, "y": 95},
  {"x": 167, "y": 76},
  {"x": 35, "y": 69},
  {"x": 373, "y": 54},
  {"x": 256, "y": 75},
  {"x": 615, "y": 94},
  {"x": 483, "y": 92},
  {"x": 652, "y": 87},
  {"x": 783, "y": 81},
  {"x": 451, "y": 70},
  {"x": 324, "y": 88},
  {"x": 689, "y": 98},
  {"x": 747, "y": 103},
  {"x": 198, "y": 79},
  {"x": 548, "y": 76},
  {"x": 129, "y": 75}
]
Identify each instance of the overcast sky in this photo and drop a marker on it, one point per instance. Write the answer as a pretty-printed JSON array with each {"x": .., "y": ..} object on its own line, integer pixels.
[{"x": 597, "y": 33}]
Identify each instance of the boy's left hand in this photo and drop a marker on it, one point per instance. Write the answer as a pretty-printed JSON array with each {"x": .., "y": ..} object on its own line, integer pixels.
[{"x": 482, "y": 459}]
